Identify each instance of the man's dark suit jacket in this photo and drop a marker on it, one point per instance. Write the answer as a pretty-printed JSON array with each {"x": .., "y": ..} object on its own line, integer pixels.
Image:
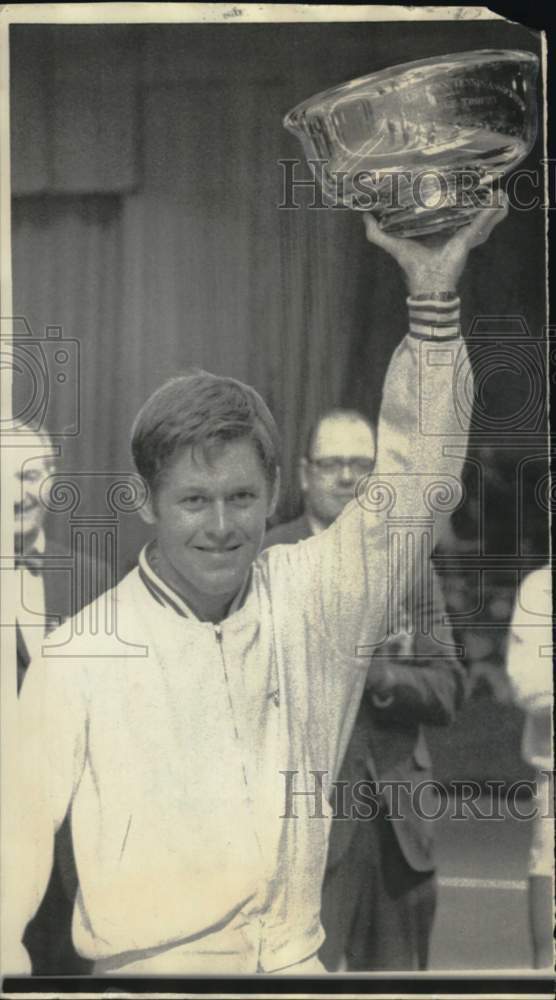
[
  {"x": 62, "y": 598},
  {"x": 388, "y": 743}
]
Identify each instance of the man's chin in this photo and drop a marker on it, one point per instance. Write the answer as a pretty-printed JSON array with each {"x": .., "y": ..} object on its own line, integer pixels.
[
  {"x": 334, "y": 513},
  {"x": 219, "y": 579},
  {"x": 221, "y": 584}
]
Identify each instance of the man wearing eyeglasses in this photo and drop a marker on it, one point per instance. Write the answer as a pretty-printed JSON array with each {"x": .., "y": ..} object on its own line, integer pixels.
[
  {"x": 341, "y": 448},
  {"x": 379, "y": 889}
]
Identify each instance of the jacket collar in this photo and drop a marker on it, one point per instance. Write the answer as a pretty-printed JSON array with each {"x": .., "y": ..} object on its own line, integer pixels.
[{"x": 168, "y": 597}]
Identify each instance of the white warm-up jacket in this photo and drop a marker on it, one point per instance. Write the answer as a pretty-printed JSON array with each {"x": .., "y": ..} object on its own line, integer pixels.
[{"x": 181, "y": 753}]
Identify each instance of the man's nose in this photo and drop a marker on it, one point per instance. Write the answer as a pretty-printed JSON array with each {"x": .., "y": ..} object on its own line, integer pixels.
[
  {"x": 29, "y": 489},
  {"x": 23, "y": 491},
  {"x": 346, "y": 473},
  {"x": 219, "y": 524}
]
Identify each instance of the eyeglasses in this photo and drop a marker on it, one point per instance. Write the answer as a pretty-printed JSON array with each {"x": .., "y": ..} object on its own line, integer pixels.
[{"x": 332, "y": 465}]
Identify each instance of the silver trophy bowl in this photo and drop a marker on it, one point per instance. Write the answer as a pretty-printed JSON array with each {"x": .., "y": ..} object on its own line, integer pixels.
[{"x": 423, "y": 146}]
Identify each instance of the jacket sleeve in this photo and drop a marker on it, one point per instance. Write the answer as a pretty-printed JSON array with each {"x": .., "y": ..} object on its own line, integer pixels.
[
  {"x": 50, "y": 747},
  {"x": 351, "y": 578},
  {"x": 427, "y": 686}
]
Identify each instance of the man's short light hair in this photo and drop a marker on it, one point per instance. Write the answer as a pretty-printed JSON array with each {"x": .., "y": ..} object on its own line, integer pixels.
[{"x": 199, "y": 409}]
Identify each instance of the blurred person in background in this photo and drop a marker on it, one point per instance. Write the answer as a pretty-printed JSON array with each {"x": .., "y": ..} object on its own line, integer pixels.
[
  {"x": 341, "y": 448},
  {"x": 379, "y": 892},
  {"x": 530, "y": 667},
  {"x": 41, "y": 601},
  {"x": 46, "y": 595}
]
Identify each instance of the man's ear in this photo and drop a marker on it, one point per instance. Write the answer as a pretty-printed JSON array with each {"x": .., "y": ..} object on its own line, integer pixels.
[
  {"x": 303, "y": 475},
  {"x": 275, "y": 494},
  {"x": 146, "y": 512}
]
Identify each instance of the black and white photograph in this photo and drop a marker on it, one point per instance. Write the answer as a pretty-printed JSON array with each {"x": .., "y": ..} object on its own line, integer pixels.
[{"x": 277, "y": 658}]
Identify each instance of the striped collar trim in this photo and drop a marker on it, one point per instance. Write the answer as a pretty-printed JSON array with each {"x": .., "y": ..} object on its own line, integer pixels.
[
  {"x": 169, "y": 598},
  {"x": 162, "y": 593}
]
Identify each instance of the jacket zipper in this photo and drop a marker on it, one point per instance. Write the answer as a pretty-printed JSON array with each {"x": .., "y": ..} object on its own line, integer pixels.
[
  {"x": 219, "y": 639},
  {"x": 218, "y": 635}
]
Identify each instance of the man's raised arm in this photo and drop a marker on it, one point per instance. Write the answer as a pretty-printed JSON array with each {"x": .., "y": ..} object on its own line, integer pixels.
[{"x": 358, "y": 572}]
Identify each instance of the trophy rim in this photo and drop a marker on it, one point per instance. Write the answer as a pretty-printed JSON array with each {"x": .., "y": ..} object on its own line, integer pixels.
[{"x": 401, "y": 69}]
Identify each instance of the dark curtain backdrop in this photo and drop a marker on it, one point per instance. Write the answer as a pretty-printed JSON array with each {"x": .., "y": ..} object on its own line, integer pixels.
[{"x": 146, "y": 224}]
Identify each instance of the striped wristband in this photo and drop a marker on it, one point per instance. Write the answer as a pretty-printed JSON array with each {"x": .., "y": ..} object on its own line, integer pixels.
[{"x": 435, "y": 316}]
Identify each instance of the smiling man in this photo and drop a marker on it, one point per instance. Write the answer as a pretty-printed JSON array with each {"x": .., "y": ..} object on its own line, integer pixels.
[
  {"x": 31, "y": 466},
  {"x": 244, "y": 678},
  {"x": 210, "y": 507}
]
